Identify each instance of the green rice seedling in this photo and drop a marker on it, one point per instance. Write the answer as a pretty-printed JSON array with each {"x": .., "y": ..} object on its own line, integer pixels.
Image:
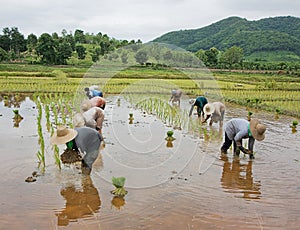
[
  {"x": 57, "y": 157},
  {"x": 170, "y": 136},
  {"x": 55, "y": 114},
  {"x": 41, "y": 153},
  {"x": 47, "y": 112},
  {"x": 119, "y": 183}
]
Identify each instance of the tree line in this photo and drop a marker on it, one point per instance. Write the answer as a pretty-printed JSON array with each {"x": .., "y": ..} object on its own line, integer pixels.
[
  {"x": 233, "y": 58},
  {"x": 54, "y": 48},
  {"x": 85, "y": 48}
]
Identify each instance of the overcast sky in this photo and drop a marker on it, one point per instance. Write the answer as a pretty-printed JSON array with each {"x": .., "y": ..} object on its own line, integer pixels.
[{"x": 133, "y": 19}]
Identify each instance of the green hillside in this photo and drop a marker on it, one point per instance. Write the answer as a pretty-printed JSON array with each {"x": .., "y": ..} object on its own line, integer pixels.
[{"x": 277, "y": 35}]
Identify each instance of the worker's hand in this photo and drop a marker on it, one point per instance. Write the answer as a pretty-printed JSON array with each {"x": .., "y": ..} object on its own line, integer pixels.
[{"x": 246, "y": 151}]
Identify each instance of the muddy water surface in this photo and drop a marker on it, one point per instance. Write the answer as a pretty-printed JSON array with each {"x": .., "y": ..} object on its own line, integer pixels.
[{"x": 187, "y": 186}]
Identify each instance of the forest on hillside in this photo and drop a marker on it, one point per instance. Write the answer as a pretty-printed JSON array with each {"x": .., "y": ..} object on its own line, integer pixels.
[{"x": 278, "y": 35}]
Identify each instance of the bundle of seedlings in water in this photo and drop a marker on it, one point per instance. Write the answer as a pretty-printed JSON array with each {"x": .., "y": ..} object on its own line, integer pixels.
[
  {"x": 294, "y": 126},
  {"x": 131, "y": 116},
  {"x": 170, "y": 136},
  {"x": 249, "y": 115},
  {"x": 277, "y": 112},
  {"x": 119, "y": 183},
  {"x": 17, "y": 115},
  {"x": 70, "y": 156}
]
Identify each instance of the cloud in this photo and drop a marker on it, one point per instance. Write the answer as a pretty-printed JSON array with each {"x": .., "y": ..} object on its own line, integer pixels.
[{"x": 133, "y": 19}]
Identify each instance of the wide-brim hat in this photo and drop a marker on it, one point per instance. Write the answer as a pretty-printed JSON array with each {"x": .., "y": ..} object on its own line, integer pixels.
[
  {"x": 62, "y": 135},
  {"x": 257, "y": 129},
  {"x": 208, "y": 109}
]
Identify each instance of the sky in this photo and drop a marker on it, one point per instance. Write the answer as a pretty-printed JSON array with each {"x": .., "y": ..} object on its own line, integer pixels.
[{"x": 133, "y": 19}]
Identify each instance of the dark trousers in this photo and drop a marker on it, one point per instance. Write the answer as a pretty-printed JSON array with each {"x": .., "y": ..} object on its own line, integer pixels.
[{"x": 226, "y": 145}]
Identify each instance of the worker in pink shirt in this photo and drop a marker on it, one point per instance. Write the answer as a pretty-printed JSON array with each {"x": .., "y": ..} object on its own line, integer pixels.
[{"x": 98, "y": 102}]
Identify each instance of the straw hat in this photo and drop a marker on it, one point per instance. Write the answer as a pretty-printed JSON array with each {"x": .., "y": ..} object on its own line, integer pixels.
[
  {"x": 209, "y": 109},
  {"x": 257, "y": 129},
  {"x": 63, "y": 135}
]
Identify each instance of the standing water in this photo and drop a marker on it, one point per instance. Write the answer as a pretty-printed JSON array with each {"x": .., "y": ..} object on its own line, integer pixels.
[{"x": 187, "y": 186}]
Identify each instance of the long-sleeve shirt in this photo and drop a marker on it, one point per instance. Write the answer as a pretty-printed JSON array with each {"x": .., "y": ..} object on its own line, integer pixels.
[
  {"x": 176, "y": 95},
  {"x": 98, "y": 102},
  {"x": 88, "y": 141},
  {"x": 94, "y": 117},
  {"x": 238, "y": 129},
  {"x": 200, "y": 102},
  {"x": 218, "y": 114}
]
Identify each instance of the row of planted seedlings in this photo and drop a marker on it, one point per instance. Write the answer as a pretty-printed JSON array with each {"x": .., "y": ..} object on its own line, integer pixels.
[
  {"x": 174, "y": 117},
  {"x": 55, "y": 108},
  {"x": 285, "y": 100}
]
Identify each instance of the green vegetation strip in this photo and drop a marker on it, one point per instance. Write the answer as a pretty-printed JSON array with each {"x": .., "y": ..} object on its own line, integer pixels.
[{"x": 264, "y": 91}]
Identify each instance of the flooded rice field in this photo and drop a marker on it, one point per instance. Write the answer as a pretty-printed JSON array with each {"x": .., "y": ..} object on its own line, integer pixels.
[{"x": 186, "y": 184}]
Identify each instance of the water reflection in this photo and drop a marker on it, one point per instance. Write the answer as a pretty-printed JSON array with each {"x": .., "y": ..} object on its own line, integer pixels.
[
  {"x": 118, "y": 202},
  {"x": 237, "y": 178},
  {"x": 169, "y": 144},
  {"x": 13, "y": 100},
  {"x": 80, "y": 203}
]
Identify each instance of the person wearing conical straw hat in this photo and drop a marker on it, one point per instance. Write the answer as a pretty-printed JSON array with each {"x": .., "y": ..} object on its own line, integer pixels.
[
  {"x": 84, "y": 139},
  {"x": 215, "y": 111},
  {"x": 199, "y": 102},
  {"x": 238, "y": 129}
]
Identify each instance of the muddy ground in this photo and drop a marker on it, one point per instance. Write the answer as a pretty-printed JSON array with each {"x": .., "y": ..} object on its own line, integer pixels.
[{"x": 187, "y": 186}]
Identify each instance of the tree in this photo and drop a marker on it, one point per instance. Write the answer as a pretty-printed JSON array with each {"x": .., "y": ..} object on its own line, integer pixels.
[
  {"x": 141, "y": 57},
  {"x": 46, "y": 48},
  {"x": 5, "y": 39},
  {"x": 95, "y": 54},
  {"x": 31, "y": 42},
  {"x": 233, "y": 55},
  {"x": 79, "y": 36},
  {"x": 70, "y": 39},
  {"x": 3, "y": 55},
  {"x": 64, "y": 51},
  {"x": 201, "y": 55},
  {"x": 212, "y": 57},
  {"x": 124, "y": 57},
  {"x": 13, "y": 42},
  {"x": 80, "y": 50}
]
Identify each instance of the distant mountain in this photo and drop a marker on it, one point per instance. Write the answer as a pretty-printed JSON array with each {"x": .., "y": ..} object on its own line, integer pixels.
[{"x": 265, "y": 35}]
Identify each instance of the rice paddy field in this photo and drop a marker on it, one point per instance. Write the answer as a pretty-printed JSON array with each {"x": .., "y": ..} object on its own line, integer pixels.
[
  {"x": 180, "y": 184},
  {"x": 271, "y": 92}
]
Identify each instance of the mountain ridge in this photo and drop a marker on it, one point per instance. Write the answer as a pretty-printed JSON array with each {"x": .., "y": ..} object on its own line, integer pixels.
[{"x": 273, "y": 34}]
